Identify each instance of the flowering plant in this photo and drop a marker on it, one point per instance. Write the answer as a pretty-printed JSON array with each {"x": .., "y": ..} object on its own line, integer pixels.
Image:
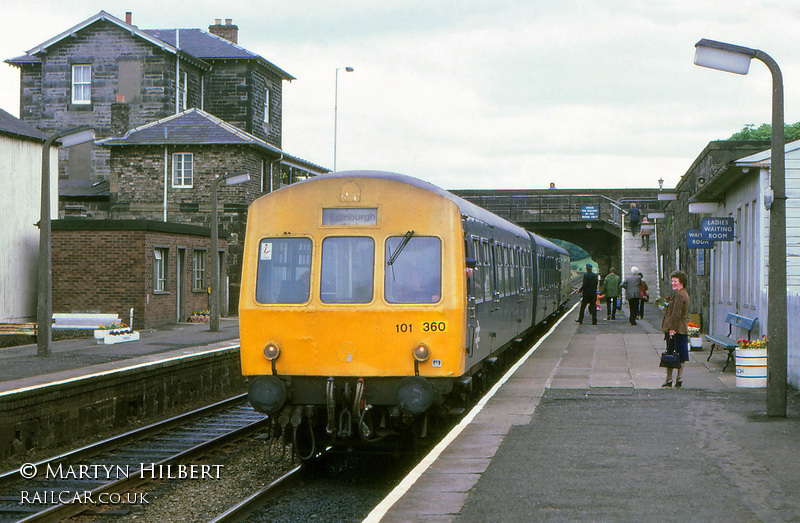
[
  {"x": 754, "y": 344},
  {"x": 113, "y": 325},
  {"x": 662, "y": 302},
  {"x": 693, "y": 329}
]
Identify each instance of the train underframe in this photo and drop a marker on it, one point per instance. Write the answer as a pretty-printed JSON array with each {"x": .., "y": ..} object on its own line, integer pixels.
[{"x": 373, "y": 414}]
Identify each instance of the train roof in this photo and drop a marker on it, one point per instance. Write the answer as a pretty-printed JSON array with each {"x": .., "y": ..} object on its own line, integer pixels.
[{"x": 466, "y": 208}]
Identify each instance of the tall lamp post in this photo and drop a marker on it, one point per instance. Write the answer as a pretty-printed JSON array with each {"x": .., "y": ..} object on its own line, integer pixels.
[
  {"x": 336, "y": 111},
  {"x": 44, "y": 309},
  {"x": 230, "y": 179},
  {"x": 736, "y": 59}
]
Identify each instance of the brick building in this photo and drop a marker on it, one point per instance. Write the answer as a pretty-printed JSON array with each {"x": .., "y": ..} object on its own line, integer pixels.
[
  {"x": 165, "y": 170},
  {"x": 74, "y": 78},
  {"x": 113, "y": 76},
  {"x": 160, "y": 270}
]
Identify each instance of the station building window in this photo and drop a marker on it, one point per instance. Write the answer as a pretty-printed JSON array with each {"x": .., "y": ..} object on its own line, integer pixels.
[
  {"x": 160, "y": 264},
  {"x": 198, "y": 270}
]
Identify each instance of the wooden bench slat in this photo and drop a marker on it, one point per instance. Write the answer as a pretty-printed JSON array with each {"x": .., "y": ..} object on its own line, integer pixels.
[{"x": 727, "y": 342}]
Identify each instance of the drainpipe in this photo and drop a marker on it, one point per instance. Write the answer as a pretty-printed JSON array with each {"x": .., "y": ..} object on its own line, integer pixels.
[
  {"x": 166, "y": 176},
  {"x": 177, "y": 73}
]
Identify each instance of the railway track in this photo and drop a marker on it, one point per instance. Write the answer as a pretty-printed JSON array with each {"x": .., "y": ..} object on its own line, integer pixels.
[{"x": 104, "y": 477}]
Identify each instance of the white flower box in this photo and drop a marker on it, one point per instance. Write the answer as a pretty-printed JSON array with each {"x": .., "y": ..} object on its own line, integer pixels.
[{"x": 112, "y": 336}]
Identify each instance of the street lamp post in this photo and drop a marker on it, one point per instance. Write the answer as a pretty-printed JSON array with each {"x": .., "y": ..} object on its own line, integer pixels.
[
  {"x": 736, "y": 59},
  {"x": 336, "y": 111},
  {"x": 44, "y": 308},
  {"x": 230, "y": 179}
]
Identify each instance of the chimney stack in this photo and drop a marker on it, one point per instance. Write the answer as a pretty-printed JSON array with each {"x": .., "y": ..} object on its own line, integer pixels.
[
  {"x": 129, "y": 18},
  {"x": 120, "y": 116},
  {"x": 228, "y": 31}
]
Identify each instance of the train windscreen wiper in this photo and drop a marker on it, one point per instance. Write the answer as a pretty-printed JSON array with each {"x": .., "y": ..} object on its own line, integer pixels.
[{"x": 400, "y": 247}]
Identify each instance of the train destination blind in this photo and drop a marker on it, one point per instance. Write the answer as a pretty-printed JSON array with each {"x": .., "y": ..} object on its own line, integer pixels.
[{"x": 350, "y": 216}]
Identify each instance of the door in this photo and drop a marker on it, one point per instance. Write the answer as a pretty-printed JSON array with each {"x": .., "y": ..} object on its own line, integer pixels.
[{"x": 180, "y": 287}]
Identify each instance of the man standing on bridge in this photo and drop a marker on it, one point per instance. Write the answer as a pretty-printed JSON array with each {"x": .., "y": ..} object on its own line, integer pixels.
[{"x": 588, "y": 292}]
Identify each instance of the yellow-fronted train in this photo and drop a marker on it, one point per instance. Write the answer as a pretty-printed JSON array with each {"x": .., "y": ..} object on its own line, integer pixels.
[{"x": 374, "y": 305}]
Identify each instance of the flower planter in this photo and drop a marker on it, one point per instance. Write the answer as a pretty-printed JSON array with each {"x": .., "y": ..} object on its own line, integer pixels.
[
  {"x": 112, "y": 336},
  {"x": 696, "y": 342},
  {"x": 751, "y": 368},
  {"x": 101, "y": 334}
]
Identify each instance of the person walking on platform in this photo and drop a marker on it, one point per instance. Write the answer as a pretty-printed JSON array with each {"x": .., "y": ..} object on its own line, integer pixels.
[
  {"x": 588, "y": 292},
  {"x": 611, "y": 290},
  {"x": 645, "y": 296},
  {"x": 675, "y": 325},
  {"x": 633, "y": 293},
  {"x": 634, "y": 216}
]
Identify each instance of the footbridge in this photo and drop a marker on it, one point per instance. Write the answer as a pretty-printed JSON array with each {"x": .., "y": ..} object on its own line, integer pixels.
[{"x": 593, "y": 219}]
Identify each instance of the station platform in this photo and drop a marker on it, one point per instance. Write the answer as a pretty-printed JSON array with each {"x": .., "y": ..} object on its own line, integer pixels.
[
  {"x": 581, "y": 429},
  {"x": 20, "y": 367}
]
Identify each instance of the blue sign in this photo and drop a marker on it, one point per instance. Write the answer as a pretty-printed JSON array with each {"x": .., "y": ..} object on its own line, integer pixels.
[
  {"x": 590, "y": 212},
  {"x": 717, "y": 229},
  {"x": 694, "y": 240}
]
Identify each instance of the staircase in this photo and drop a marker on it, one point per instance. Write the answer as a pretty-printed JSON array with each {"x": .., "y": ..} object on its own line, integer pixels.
[{"x": 634, "y": 255}]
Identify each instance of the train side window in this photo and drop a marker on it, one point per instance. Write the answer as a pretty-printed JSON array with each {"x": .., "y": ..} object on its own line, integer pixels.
[
  {"x": 488, "y": 267},
  {"x": 415, "y": 276},
  {"x": 476, "y": 285},
  {"x": 347, "y": 269},
  {"x": 284, "y": 268}
]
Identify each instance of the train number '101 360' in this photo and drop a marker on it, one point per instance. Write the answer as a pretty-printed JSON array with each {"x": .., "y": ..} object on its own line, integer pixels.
[{"x": 427, "y": 326}]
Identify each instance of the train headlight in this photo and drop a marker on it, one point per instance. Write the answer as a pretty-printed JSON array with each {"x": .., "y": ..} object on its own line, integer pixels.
[
  {"x": 272, "y": 351},
  {"x": 422, "y": 352}
]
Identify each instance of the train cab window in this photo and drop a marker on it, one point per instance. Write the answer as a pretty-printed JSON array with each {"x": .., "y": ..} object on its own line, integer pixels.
[
  {"x": 347, "y": 269},
  {"x": 284, "y": 268},
  {"x": 415, "y": 272}
]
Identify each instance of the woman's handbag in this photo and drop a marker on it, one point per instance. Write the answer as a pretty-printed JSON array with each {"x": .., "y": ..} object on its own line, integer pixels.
[
  {"x": 670, "y": 361},
  {"x": 670, "y": 358}
]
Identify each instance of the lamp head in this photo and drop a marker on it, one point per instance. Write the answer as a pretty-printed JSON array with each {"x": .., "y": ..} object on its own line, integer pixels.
[{"x": 723, "y": 57}]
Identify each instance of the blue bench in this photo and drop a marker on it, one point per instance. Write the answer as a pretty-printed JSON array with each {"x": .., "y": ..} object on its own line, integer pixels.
[{"x": 727, "y": 342}]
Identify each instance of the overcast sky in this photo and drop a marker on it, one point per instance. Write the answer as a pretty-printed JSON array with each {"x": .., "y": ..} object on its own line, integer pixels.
[{"x": 482, "y": 93}]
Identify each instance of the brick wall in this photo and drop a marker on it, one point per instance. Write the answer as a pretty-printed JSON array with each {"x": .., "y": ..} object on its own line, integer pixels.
[{"x": 107, "y": 266}]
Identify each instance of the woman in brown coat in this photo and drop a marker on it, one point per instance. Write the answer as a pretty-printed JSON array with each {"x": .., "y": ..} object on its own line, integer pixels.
[{"x": 675, "y": 326}]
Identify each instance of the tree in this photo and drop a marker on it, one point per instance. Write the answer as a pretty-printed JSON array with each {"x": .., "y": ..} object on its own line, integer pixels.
[{"x": 764, "y": 132}]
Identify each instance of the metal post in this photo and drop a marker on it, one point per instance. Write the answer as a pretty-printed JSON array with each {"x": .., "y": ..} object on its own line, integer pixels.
[
  {"x": 44, "y": 310},
  {"x": 776, "y": 280},
  {"x": 214, "y": 320},
  {"x": 335, "y": 116}
]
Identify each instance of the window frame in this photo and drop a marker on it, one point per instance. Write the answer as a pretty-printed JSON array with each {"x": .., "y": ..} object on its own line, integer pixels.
[
  {"x": 267, "y": 107},
  {"x": 324, "y": 296},
  {"x": 199, "y": 269},
  {"x": 160, "y": 277},
  {"x": 86, "y": 97},
  {"x": 180, "y": 182}
]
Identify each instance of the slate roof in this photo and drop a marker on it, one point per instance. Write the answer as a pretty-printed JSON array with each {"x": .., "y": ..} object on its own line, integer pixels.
[
  {"x": 196, "y": 127},
  {"x": 195, "y": 45},
  {"x": 207, "y": 46},
  {"x": 11, "y": 125}
]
